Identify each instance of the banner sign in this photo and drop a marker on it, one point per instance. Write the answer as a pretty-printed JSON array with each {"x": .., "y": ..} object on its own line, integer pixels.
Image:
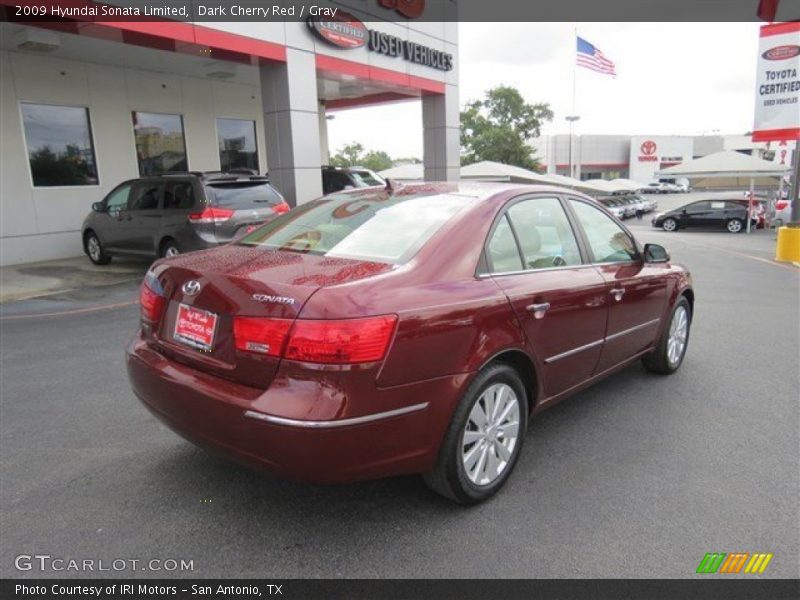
[{"x": 777, "y": 114}]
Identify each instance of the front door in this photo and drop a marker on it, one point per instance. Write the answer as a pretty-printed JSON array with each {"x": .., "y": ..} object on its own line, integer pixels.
[
  {"x": 559, "y": 300},
  {"x": 113, "y": 221},
  {"x": 146, "y": 214},
  {"x": 635, "y": 290}
]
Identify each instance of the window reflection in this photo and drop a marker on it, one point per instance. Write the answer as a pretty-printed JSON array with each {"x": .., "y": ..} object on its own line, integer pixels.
[
  {"x": 237, "y": 144},
  {"x": 160, "y": 145},
  {"x": 59, "y": 141}
]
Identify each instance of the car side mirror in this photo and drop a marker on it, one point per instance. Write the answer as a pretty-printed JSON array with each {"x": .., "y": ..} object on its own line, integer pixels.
[
  {"x": 654, "y": 253},
  {"x": 98, "y": 207}
]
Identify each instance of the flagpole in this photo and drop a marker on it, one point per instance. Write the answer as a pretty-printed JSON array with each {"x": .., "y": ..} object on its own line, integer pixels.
[{"x": 573, "y": 117}]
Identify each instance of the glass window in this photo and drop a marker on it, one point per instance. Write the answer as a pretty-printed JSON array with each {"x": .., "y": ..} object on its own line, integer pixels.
[
  {"x": 698, "y": 207},
  {"x": 179, "y": 195},
  {"x": 503, "y": 251},
  {"x": 60, "y": 149},
  {"x": 237, "y": 144},
  {"x": 118, "y": 199},
  {"x": 160, "y": 147},
  {"x": 372, "y": 226},
  {"x": 239, "y": 195},
  {"x": 607, "y": 240},
  {"x": 335, "y": 181},
  {"x": 144, "y": 196},
  {"x": 366, "y": 178},
  {"x": 544, "y": 233}
]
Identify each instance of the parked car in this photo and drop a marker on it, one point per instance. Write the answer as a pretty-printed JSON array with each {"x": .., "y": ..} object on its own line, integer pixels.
[
  {"x": 615, "y": 206},
  {"x": 730, "y": 214},
  {"x": 170, "y": 214},
  {"x": 336, "y": 179},
  {"x": 655, "y": 187},
  {"x": 382, "y": 331}
]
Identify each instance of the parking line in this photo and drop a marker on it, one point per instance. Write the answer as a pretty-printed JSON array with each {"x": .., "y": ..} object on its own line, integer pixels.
[{"x": 71, "y": 312}]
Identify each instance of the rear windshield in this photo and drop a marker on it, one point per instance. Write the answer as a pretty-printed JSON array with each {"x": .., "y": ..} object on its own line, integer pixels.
[
  {"x": 242, "y": 194},
  {"x": 366, "y": 178},
  {"x": 376, "y": 227}
]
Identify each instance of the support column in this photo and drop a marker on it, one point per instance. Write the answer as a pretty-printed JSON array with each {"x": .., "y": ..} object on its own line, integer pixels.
[
  {"x": 324, "y": 150},
  {"x": 441, "y": 135},
  {"x": 291, "y": 124}
]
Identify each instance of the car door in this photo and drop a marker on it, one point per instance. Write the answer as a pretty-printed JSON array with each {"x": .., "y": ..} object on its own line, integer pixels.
[
  {"x": 180, "y": 200},
  {"x": 636, "y": 291},
  {"x": 697, "y": 214},
  {"x": 111, "y": 223},
  {"x": 146, "y": 215},
  {"x": 560, "y": 301}
]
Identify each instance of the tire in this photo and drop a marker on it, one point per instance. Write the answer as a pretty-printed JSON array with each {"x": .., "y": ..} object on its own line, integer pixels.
[
  {"x": 666, "y": 359},
  {"x": 734, "y": 225},
  {"x": 169, "y": 248},
  {"x": 94, "y": 249},
  {"x": 669, "y": 225},
  {"x": 451, "y": 477}
]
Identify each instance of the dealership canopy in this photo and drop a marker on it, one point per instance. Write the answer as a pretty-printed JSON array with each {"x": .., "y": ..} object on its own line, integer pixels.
[
  {"x": 730, "y": 164},
  {"x": 488, "y": 170}
]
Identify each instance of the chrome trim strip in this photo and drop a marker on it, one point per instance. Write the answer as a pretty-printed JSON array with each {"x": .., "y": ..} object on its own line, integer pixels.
[
  {"x": 614, "y": 336},
  {"x": 252, "y": 414},
  {"x": 573, "y": 351}
]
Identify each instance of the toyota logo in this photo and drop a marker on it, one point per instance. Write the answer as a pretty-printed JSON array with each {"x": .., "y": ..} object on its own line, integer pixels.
[
  {"x": 648, "y": 147},
  {"x": 191, "y": 287}
]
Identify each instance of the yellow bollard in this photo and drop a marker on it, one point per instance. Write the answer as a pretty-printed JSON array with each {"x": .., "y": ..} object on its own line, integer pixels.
[{"x": 788, "y": 246}]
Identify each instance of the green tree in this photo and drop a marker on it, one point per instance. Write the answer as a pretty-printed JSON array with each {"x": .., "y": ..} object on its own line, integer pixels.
[
  {"x": 500, "y": 128},
  {"x": 377, "y": 160},
  {"x": 348, "y": 156}
]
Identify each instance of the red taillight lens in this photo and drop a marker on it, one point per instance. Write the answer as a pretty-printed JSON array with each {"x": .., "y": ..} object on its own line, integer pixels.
[
  {"x": 151, "y": 298},
  {"x": 781, "y": 204},
  {"x": 211, "y": 214},
  {"x": 281, "y": 208},
  {"x": 263, "y": 336},
  {"x": 341, "y": 342}
]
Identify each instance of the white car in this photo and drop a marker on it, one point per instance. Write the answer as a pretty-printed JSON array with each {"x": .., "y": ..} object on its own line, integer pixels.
[{"x": 654, "y": 187}]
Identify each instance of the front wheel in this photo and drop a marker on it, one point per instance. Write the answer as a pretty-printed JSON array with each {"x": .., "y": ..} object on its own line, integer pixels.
[
  {"x": 484, "y": 439},
  {"x": 669, "y": 225},
  {"x": 94, "y": 249},
  {"x": 734, "y": 225},
  {"x": 668, "y": 355}
]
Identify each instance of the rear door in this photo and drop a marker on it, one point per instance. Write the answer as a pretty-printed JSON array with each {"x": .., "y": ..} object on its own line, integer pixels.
[
  {"x": 634, "y": 290},
  {"x": 180, "y": 200},
  {"x": 145, "y": 217},
  {"x": 247, "y": 203},
  {"x": 560, "y": 301}
]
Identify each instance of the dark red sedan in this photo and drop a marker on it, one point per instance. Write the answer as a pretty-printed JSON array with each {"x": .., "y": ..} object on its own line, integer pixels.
[{"x": 409, "y": 330}]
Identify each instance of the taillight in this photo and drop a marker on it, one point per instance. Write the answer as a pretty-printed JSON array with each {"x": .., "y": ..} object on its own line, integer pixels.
[
  {"x": 211, "y": 214},
  {"x": 151, "y": 298},
  {"x": 334, "y": 342},
  {"x": 781, "y": 204},
  {"x": 263, "y": 336},
  {"x": 339, "y": 342},
  {"x": 281, "y": 208}
]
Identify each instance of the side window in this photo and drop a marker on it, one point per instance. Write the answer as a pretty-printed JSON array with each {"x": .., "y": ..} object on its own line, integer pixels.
[
  {"x": 698, "y": 207},
  {"x": 144, "y": 196},
  {"x": 118, "y": 199},
  {"x": 545, "y": 235},
  {"x": 179, "y": 195},
  {"x": 502, "y": 249},
  {"x": 607, "y": 240}
]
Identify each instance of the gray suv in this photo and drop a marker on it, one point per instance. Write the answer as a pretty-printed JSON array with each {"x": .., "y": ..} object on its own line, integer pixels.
[{"x": 170, "y": 214}]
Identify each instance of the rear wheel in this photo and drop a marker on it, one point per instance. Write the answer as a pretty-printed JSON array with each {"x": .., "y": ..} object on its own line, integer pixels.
[
  {"x": 734, "y": 225},
  {"x": 169, "y": 247},
  {"x": 94, "y": 249},
  {"x": 669, "y": 225},
  {"x": 484, "y": 439},
  {"x": 668, "y": 356}
]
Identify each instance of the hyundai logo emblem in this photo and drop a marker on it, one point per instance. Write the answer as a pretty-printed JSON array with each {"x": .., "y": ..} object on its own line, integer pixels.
[{"x": 191, "y": 287}]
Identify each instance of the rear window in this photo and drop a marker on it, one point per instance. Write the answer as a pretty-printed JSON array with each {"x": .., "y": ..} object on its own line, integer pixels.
[
  {"x": 375, "y": 227},
  {"x": 366, "y": 178},
  {"x": 242, "y": 194}
]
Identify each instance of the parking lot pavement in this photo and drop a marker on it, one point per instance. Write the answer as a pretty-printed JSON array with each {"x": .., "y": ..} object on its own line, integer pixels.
[{"x": 638, "y": 476}]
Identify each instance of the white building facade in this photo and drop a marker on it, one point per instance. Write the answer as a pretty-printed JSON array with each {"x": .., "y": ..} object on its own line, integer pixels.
[{"x": 85, "y": 106}]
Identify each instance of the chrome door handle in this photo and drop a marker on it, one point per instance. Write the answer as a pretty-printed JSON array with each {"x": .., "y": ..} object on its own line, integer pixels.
[
  {"x": 539, "y": 309},
  {"x": 618, "y": 293}
]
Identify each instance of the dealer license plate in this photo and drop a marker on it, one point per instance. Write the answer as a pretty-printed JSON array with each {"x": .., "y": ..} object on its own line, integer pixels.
[{"x": 195, "y": 327}]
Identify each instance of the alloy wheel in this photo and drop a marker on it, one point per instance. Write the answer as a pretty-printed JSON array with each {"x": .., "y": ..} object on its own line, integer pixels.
[
  {"x": 669, "y": 225},
  {"x": 93, "y": 247},
  {"x": 678, "y": 332},
  {"x": 734, "y": 226},
  {"x": 171, "y": 251},
  {"x": 491, "y": 434}
]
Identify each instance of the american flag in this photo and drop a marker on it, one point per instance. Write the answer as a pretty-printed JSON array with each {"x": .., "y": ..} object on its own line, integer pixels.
[{"x": 591, "y": 58}]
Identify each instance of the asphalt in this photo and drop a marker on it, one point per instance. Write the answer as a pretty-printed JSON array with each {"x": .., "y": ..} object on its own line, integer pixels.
[{"x": 639, "y": 476}]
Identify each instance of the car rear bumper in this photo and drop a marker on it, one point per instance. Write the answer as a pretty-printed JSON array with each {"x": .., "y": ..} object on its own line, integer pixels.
[{"x": 236, "y": 420}]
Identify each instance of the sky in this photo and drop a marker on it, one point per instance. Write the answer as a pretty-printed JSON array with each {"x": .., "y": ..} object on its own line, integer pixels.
[{"x": 672, "y": 78}]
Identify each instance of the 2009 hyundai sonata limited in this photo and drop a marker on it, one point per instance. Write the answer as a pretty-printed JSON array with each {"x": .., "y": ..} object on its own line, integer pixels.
[{"x": 411, "y": 329}]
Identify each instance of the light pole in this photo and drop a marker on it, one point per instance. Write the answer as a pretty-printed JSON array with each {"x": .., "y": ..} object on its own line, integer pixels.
[{"x": 571, "y": 119}]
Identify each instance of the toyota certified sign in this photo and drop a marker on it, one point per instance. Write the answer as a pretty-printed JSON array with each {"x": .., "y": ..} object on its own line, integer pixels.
[
  {"x": 777, "y": 114},
  {"x": 344, "y": 30}
]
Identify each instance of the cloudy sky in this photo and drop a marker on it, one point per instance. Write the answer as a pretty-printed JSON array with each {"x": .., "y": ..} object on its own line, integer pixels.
[{"x": 672, "y": 78}]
